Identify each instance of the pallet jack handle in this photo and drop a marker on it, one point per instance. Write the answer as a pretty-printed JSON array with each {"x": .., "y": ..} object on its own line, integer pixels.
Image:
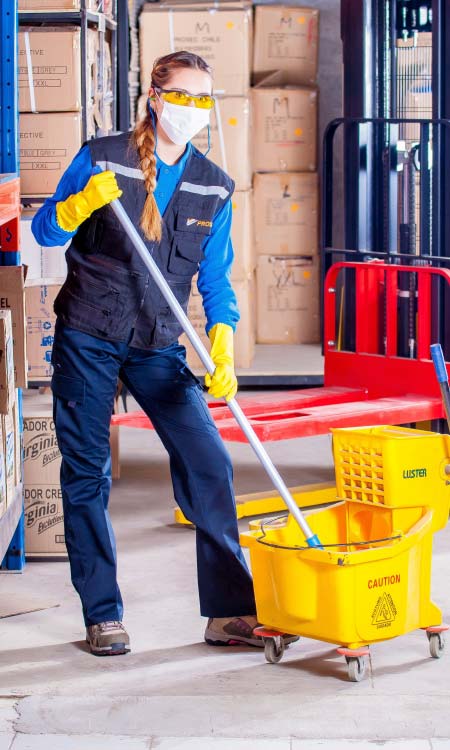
[
  {"x": 241, "y": 419},
  {"x": 441, "y": 373}
]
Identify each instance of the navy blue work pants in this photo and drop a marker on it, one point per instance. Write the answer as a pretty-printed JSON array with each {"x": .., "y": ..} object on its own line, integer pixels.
[{"x": 84, "y": 384}]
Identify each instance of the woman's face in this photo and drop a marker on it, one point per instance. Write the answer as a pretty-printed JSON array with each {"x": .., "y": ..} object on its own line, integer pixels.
[{"x": 187, "y": 80}]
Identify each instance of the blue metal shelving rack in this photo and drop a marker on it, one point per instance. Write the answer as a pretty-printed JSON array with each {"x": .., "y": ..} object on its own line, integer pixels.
[{"x": 12, "y": 529}]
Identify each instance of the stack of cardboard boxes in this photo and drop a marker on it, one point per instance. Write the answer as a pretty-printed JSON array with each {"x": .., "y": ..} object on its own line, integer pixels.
[
  {"x": 44, "y": 519},
  {"x": 40, "y": 295},
  {"x": 285, "y": 185},
  {"x": 12, "y": 376},
  {"x": 8, "y": 407},
  {"x": 271, "y": 130},
  {"x": 222, "y": 34},
  {"x": 415, "y": 97},
  {"x": 37, "y": 443},
  {"x": 50, "y": 97},
  {"x": 46, "y": 271}
]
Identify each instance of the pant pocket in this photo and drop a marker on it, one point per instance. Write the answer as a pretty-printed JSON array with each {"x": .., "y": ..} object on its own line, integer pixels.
[
  {"x": 70, "y": 415},
  {"x": 72, "y": 390}
]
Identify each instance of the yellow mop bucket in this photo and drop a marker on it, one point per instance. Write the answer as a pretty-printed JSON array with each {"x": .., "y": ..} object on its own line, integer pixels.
[{"x": 371, "y": 580}]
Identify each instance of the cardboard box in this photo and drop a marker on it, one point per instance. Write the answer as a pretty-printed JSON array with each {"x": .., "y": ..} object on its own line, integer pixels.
[
  {"x": 242, "y": 236},
  {"x": 48, "y": 143},
  {"x": 12, "y": 297},
  {"x": 104, "y": 84},
  {"x": 229, "y": 137},
  {"x": 106, "y": 6},
  {"x": 245, "y": 336},
  {"x": 288, "y": 300},
  {"x": 285, "y": 139},
  {"x": 100, "y": 118},
  {"x": 41, "y": 262},
  {"x": 220, "y": 33},
  {"x": 286, "y": 213},
  {"x": 286, "y": 40},
  {"x": 10, "y": 455},
  {"x": 44, "y": 520},
  {"x": 92, "y": 57},
  {"x": 415, "y": 55},
  {"x": 2, "y": 476},
  {"x": 414, "y": 69},
  {"x": 100, "y": 77},
  {"x": 244, "y": 339},
  {"x": 58, "y": 4},
  {"x": 18, "y": 443},
  {"x": 39, "y": 300},
  {"x": 417, "y": 105},
  {"x": 49, "y": 69},
  {"x": 7, "y": 386}
]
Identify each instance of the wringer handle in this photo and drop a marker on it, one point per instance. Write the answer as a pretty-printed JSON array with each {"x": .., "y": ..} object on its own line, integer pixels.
[
  {"x": 439, "y": 363},
  {"x": 441, "y": 373}
]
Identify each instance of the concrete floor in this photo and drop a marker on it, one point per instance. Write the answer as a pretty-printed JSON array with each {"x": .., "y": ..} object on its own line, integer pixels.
[{"x": 173, "y": 692}]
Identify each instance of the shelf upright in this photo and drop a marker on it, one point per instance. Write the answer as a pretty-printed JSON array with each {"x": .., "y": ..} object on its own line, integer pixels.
[
  {"x": 121, "y": 65},
  {"x": 12, "y": 529}
]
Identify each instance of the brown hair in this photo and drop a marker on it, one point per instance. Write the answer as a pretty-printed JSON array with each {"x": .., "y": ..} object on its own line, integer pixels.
[{"x": 144, "y": 136}]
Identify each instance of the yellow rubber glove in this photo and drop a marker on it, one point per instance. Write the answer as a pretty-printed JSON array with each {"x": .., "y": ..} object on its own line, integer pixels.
[
  {"x": 101, "y": 189},
  {"x": 223, "y": 383}
]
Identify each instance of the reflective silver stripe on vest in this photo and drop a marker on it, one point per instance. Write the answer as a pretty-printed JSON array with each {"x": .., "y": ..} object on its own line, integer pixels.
[
  {"x": 135, "y": 174},
  {"x": 189, "y": 187}
]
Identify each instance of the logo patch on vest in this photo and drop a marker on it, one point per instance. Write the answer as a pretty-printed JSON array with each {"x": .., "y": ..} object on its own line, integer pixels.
[{"x": 199, "y": 222}]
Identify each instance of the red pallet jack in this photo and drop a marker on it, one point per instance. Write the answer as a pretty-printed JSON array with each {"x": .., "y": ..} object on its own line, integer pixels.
[{"x": 361, "y": 387}]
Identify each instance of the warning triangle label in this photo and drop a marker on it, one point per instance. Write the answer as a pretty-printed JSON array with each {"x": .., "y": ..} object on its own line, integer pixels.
[{"x": 384, "y": 613}]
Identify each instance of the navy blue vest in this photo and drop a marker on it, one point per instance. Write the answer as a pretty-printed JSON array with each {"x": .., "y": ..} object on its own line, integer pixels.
[{"x": 108, "y": 291}]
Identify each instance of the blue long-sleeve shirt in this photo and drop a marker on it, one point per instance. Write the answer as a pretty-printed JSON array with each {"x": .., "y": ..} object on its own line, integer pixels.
[{"x": 219, "y": 299}]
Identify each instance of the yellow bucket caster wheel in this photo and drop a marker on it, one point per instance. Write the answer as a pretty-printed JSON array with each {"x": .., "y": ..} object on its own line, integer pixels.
[
  {"x": 436, "y": 640},
  {"x": 356, "y": 662}
]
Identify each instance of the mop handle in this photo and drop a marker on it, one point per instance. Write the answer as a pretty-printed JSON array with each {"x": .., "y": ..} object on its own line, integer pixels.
[
  {"x": 442, "y": 377},
  {"x": 193, "y": 337}
]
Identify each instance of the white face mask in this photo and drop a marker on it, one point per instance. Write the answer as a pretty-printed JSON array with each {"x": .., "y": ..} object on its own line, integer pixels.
[{"x": 181, "y": 124}]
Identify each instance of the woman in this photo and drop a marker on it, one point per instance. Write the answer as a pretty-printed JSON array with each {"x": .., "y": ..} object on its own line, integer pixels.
[{"x": 113, "y": 322}]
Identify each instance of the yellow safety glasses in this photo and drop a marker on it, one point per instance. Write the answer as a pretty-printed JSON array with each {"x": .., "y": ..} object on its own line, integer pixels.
[{"x": 183, "y": 99}]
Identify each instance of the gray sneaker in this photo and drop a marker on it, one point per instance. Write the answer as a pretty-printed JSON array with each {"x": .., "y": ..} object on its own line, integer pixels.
[
  {"x": 108, "y": 639},
  {"x": 235, "y": 631}
]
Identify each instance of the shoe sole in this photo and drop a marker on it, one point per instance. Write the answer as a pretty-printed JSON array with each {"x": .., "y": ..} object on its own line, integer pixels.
[
  {"x": 115, "y": 649},
  {"x": 214, "y": 639},
  {"x": 233, "y": 642}
]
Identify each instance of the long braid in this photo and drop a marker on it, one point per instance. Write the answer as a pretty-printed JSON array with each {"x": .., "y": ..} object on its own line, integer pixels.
[{"x": 145, "y": 143}]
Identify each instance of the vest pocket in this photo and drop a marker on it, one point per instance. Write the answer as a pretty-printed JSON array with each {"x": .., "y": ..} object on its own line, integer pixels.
[
  {"x": 167, "y": 331},
  {"x": 185, "y": 255},
  {"x": 167, "y": 328},
  {"x": 94, "y": 307}
]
